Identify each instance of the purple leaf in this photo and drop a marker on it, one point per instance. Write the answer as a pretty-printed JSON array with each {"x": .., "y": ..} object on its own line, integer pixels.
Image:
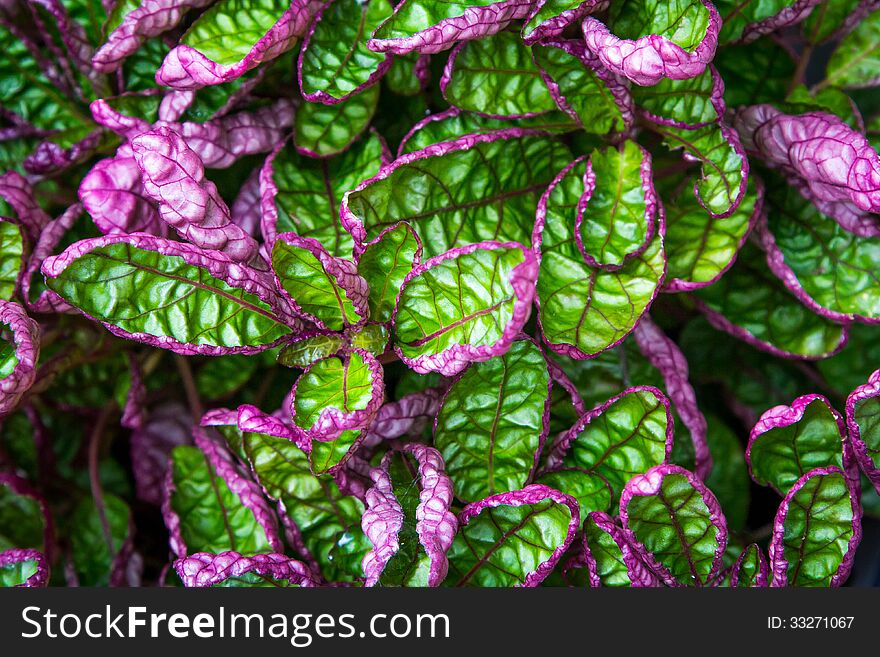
[
  {"x": 860, "y": 405},
  {"x": 164, "y": 428},
  {"x": 550, "y": 18},
  {"x": 205, "y": 570},
  {"x": 18, "y": 362},
  {"x": 50, "y": 237},
  {"x": 17, "y": 192},
  {"x": 173, "y": 176},
  {"x": 632, "y": 556},
  {"x": 384, "y": 517},
  {"x": 648, "y": 59}
]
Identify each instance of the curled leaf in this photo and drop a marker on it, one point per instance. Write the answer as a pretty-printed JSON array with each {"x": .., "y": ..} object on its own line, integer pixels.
[
  {"x": 19, "y": 354},
  {"x": 230, "y": 569}
]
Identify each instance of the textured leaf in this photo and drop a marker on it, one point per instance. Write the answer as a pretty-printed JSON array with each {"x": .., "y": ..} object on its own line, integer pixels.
[
  {"x": 619, "y": 439},
  {"x": 230, "y": 569},
  {"x": 232, "y": 37},
  {"x": 408, "y": 519},
  {"x": 616, "y": 216},
  {"x": 598, "y": 100},
  {"x": 584, "y": 310},
  {"x": 384, "y": 264},
  {"x": 754, "y": 73},
  {"x": 325, "y": 130},
  {"x": 789, "y": 441},
  {"x": 723, "y": 164},
  {"x": 592, "y": 492},
  {"x": 409, "y": 74},
  {"x": 334, "y": 61},
  {"x": 855, "y": 62},
  {"x": 495, "y": 77},
  {"x": 428, "y": 26},
  {"x": 464, "y": 306},
  {"x": 549, "y": 18},
  {"x": 691, "y": 103},
  {"x": 816, "y": 531},
  {"x": 309, "y": 348},
  {"x": 493, "y": 423},
  {"x": 452, "y": 124},
  {"x": 512, "y": 539},
  {"x": 24, "y": 521},
  {"x": 24, "y": 568},
  {"x": 751, "y": 569},
  {"x": 701, "y": 248},
  {"x": 178, "y": 297},
  {"x": 749, "y": 19},
  {"x": 326, "y": 290},
  {"x": 11, "y": 258},
  {"x": 862, "y": 407},
  {"x": 324, "y": 523},
  {"x": 211, "y": 507},
  {"x": 647, "y": 40},
  {"x": 677, "y": 519},
  {"x": 753, "y": 305},
  {"x": 302, "y": 195},
  {"x": 173, "y": 176},
  {"x": 479, "y": 187},
  {"x": 337, "y": 396},
  {"x": 611, "y": 559},
  {"x": 826, "y": 267},
  {"x": 19, "y": 353}
]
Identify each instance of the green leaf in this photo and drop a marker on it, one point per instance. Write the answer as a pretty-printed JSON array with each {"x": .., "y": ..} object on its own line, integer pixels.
[
  {"x": 309, "y": 191},
  {"x": 165, "y": 297},
  {"x": 592, "y": 492},
  {"x": 492, "y": 423},
  {"x": 212, "y": 517},
  {"x": 328, "y": 521},
  {"x": 228, "y": 30},
  {"x": 831, "y": 100},
  {"x": 502, "y": 545},
  {"x": 316, "y": 289},
  {"x": 21, "y": 520},
  {"x": 790, "y": 441},
  {"x": 688, "y": 102},
  {"x": 827, "y": 18},
  {"x": 814, "y": 531},
  {"x": 585, "y": 92},
  {"x": 849, "y": 369},
  {"x": 11, "y": 258},
  {"x": 614, "y": 225},
  {"x": 614, "y": 567},
  {"x": 453, "y": 123},
  {"x": 26, "y": 91},
  {"x": 756, "y": 73},
  {"x": 624, "y": 437},
  {"x": 684, "y": 22},
  {"x": 496, "y": 76},
  {"x": 729, "y": 479},
  {"x": 750, "y": 567},
  {"x": 326, "y": 456},
  {"x": 855, "y": 63},
  {"x": 463, "y": 195},
  {"x": 325, "y": 130},
  {"x": 16, "y": 574},
  {"x": 469, "y": 299},
  {"x": 402, "y": 78},
  {"x": 678, "y": 521},
  {"x": 584, "y": 310},
  {"x": 699, "y": 247},
  {"x": 737, "y": 15},
  {"x": 763, "y": 312},
  {"x": 832, "y": 268},
  {"x": 304, "y": 352},
  {"x": 337, "y": 394},
  {"x": 336, "y": 62},
  {"x": 723, "y": 163},
  {"x": 372, "y": 338},
  {"x": 92, "y": 558},
  {"x": 220, "y": 377},
  {"x": 384, "y": 264}
]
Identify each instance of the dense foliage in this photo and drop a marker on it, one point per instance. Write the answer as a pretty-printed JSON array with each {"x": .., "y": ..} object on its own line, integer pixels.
[{"x": 556, "y": 292}]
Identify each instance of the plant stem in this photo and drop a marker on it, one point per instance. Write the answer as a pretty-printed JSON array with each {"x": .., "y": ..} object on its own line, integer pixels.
[
  {"x": 801, "y": 70},
  {"x": 189, "y": 386},
  {"x": 94, "y": 476}
]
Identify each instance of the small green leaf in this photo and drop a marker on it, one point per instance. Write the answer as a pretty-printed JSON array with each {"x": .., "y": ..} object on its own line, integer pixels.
[
  {"x": 492, "y": 423},
  {"x": 789, "y": 441},
  {"x": 384, "y": 264},
  {"x": 372, "y": 338},
  {"x": 92, "y": 558},
  {"x": 16, "y": 574},
  {"x": 304, "y": 352}
]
